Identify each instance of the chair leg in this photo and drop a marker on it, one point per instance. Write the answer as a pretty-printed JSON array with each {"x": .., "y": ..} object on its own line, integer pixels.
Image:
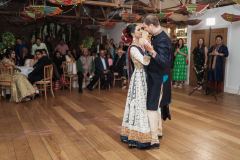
[
  {"x": 70, "y": 85},
  {"x": 52, "y": 90},
  {"x": 0, "y": 92},
  {"x": 99, "y": 85},
  {"x": 114, "y": 81},
  {"x": 45, "y": 91}
]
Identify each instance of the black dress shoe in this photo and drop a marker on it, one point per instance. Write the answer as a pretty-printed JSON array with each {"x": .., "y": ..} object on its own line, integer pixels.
[
  {"x": 80, "y": 91},
  {"x": 155, "y": 146},
  {"x": 89, "y": 88}
]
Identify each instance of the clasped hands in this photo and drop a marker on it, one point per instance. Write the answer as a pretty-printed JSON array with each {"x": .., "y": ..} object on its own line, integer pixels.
[{"x": 148, "y": 47}]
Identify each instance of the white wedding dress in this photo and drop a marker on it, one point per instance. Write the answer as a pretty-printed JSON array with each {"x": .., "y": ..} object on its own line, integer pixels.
[{"x": 135, "y": 126}]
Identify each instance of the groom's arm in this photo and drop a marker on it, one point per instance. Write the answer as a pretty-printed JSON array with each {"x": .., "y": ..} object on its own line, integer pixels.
[{"x": 163, "y": 53}]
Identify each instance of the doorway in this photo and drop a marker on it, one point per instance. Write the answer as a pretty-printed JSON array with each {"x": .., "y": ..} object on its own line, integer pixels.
[{"x": 197, "y": 34}]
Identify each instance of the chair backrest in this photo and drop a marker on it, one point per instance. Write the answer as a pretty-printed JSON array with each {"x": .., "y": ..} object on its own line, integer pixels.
[
  {"x": 48, "y": 72},
  {"x": 68, "y": 67},
  {"x": 6, "y": 70}
]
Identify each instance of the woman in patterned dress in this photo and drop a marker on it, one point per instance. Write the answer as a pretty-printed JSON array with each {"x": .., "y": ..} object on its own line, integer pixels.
[
  {"x": 135, "y": 129},
  {"x": 200, "y": 62},
  {"x": 180, "y": 64}
]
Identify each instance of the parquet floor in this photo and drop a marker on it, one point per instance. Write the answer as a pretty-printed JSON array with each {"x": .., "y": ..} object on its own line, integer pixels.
[{"x": 86, "y": 127}]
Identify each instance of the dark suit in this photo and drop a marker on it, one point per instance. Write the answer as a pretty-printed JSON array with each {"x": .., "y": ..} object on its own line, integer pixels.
[
  {"x": 99, "y": 73},
  {"x": 158, "y": 69},
  {"x": 38, "y": 72},
  {"x": 118, "y": 64}
]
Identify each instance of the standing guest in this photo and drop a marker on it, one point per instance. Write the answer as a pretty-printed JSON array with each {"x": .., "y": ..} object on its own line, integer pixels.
[
  {"x": 75, "y": 54},
  {"x": 49, "y": 46},
  {"x": 200, "y": 56},
  {"x": 111, "y": 48},
  {"x": 110, "y": 60},
  {"x": 18, "y": 49},
  {"x": 27, "y": 58},
  {"x": 38, "y": 69},
  {"x": 62, "y": 47},
  {"x": 38, "y": 46},
  {"x": 58, "y": 61},
  {"x": 217, "y": 55},
  {"x": 180, "y": 64}
]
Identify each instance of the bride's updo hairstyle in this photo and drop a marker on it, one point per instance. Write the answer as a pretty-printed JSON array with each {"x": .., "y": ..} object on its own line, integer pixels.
[{"x": 127, "y": 33}]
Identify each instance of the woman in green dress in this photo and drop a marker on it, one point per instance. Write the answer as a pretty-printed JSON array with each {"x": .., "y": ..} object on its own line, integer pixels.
[{"x": 179, "y": 74}]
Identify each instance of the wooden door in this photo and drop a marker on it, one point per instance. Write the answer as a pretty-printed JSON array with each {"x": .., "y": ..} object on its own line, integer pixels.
[{"x": 196, "y": 34}]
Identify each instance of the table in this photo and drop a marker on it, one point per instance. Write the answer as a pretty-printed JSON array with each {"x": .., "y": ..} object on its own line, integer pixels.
[{"x": 25, "y": 70}]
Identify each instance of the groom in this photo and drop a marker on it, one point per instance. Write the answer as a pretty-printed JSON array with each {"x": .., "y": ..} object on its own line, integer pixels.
[{"x": 158, "y": 77}]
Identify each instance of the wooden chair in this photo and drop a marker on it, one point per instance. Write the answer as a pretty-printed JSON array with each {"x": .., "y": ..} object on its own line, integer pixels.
[
  {"x": 47, "y": 80},
  {"x": 6, "y": 75},
  {"x": 68, "y": 74},
  {"x": 116, "y": 77},
  {"x": 99, "y": 85}
]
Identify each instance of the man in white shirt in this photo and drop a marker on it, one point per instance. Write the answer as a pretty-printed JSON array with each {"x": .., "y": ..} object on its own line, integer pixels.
[{"x": 39, "y": 46}]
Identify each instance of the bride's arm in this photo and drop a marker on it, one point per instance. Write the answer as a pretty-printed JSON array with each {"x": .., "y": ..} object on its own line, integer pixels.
[{"x": 145, "y": 60}]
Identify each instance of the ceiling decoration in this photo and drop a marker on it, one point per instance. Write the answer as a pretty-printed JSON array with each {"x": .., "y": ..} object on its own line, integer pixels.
[
  {"x": 237, "y": 1},
  {"x": 40, "y": 11},
  {"x": 163, "y": 15},
  {"x": 195, "y": 8},
  {"x": 130, "y": 17},
  {"x": 66, "y": 2},
  {"x": 230, "y": 17},
  {"x": 103, "y": 12}
]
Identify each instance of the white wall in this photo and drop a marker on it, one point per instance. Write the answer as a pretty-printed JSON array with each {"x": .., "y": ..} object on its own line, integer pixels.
[
  {"x": 232, "y": 76},
  {"x": 116, "y": 32}
]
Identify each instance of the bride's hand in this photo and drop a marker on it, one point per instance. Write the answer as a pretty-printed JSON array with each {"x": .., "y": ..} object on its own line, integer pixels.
[{"x": 148, "y": 47}]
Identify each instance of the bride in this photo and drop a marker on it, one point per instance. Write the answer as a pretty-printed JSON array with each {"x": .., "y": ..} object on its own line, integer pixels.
[{"x": 135, "y": 129}]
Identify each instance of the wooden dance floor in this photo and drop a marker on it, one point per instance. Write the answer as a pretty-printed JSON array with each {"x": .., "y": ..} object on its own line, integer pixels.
[{"x": 86, "y": 127}]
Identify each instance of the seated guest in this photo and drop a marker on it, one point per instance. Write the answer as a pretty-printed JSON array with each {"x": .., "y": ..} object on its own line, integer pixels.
[
  {"x": 38, "y": 72},
  {"x": 26, "y": 58},
  {"x": 110, "y": 60},
  {"x": 38, "y": 45},
  {"x": 21, "y": 88},
  {"x": 102, "y": 71},
  {"x": 85, "y": 68},
  {"x": 120, "y": 62}
]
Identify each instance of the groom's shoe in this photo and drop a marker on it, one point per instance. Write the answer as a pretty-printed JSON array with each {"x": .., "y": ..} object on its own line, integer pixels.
[{"x": 155, "y": 146}]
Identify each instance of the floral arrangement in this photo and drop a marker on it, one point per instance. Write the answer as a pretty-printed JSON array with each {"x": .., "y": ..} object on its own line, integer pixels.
[
  {"x": 8, "y": 41},
  {"x": 88, "y": 42}
]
